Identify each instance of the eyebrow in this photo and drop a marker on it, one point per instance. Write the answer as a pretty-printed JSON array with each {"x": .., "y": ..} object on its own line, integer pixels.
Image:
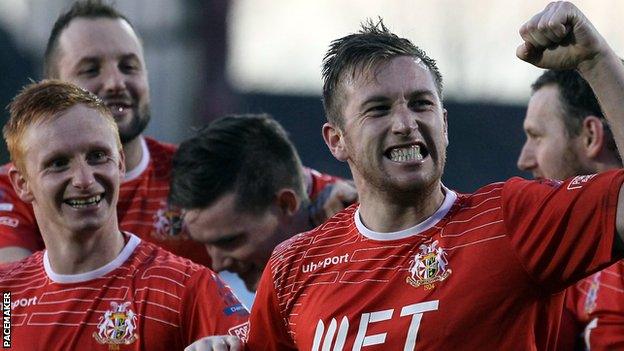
[
  {"x": 95, "y": 59},
  {"x": 224, "y": 239},
  {"x": 384, "y": 98}
]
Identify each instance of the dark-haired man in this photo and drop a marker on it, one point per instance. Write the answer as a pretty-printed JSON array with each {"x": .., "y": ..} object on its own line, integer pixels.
[
  {"x": 417, "y": 266},
  {"x": 95, "y": 287},
  {"x": 567, "y": 135},
  {"x": 243, "y": 189}
]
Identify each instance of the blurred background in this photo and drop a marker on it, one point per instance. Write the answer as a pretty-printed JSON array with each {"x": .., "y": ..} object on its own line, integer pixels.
[{"x": 207, "y": 58}]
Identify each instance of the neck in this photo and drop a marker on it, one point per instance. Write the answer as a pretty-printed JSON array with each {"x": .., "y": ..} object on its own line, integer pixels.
[
  {"x": 383, "y": 212},
  {"x": 83, "y": 253},
  {"x": 133, "y": 151}
]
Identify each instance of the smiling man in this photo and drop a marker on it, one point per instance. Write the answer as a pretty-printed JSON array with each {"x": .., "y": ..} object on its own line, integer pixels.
[
  {"x": 95, "y": 286},
  {"x": 95, "y": 47},
  {"x": 416, "y": 266}
]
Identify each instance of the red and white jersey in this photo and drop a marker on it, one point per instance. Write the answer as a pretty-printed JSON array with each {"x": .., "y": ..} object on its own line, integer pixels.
[
  {"x": 482, "y": 273},
  {"x": 142, "y": 208},
  {"x": 597, "y": 303},
  {"x": 145, "y": 299}
]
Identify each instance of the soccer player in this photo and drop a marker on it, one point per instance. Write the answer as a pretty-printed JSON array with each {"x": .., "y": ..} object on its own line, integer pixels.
[
  {"x": 567, "y": 135},
  {"x": 95, "y": 286},
  {"x": 416, "y": 265},
  {"x": 243, "y": 191}
]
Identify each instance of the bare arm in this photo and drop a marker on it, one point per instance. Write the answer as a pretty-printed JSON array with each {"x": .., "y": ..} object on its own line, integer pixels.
[{"x": 561, "y": 37}]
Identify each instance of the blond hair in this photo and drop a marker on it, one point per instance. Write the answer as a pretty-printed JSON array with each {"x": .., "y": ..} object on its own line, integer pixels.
[{"x": 43, "y": 102}]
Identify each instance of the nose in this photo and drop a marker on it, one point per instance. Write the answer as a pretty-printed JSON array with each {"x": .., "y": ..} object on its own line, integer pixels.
[
  {"x": 220, "y": 260},
  {"x": 113, "y": 80},
  {"x": 404, "y": 122},
  {"x": 526, "y": 160},
  {"x": 82, "y": 175}
]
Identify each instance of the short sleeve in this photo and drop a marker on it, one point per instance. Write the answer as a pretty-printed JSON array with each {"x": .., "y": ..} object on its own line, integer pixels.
[
  {"x": 18, "y": 226},
  {"x": 563, "y": 231},
  {"x": 267, "y": 327},
  {"x": 209, "y": 307}
]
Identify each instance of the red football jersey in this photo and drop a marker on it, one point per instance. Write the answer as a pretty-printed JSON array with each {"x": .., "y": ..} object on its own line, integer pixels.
[
  {"x": 597, "y": 303},
  {"x": 482, "y": 273},
  {"x": 145, "y": 299},
  {"x": 142, "y": 208}
]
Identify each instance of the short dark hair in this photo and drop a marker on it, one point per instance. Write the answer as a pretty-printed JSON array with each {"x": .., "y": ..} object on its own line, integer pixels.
[
  {"x": 250, "y": 155},
  {"x": 373, "y": 44},
  {"x": 91, "y": 9},
  {"x": 577, "y": 101}
]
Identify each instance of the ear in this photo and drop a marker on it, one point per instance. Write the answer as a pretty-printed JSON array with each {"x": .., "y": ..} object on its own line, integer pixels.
[
  {"x": 287, "y": 202},
  {"x": 593, "y": 137},
  {"x": 335, "y": 141},
  {"x": 20, "y": 185},
  {"x": 122, "y": 163},
  {"x": 445, "y": 113}
]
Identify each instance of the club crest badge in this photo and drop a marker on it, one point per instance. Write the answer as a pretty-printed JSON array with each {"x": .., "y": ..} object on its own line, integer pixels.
[
  {"x": 167, "y": 223},
  {"x": 428, "y": 266},
  {"x": 116, "y": 327}
]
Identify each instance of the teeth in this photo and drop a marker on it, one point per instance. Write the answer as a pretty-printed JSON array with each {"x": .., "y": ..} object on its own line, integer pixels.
[
  {"x": 84, "y": 202},
  {"x": 411, "y": 153}
]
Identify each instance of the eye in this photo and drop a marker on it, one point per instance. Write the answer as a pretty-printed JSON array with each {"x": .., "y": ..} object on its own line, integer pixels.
[
  {"x": 97, "y": 157},
  {"x": 129, "y": 67},
  {"x": 89, "y": 71},
  {"x": 378, "y": 110},
  {"x": 421, "y": 104},
  {"x": 230, "y": 242},
  {"x": 57, "y": 164}
]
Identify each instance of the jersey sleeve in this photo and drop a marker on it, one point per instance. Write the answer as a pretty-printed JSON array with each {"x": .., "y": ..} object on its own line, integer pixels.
[
  {"x": 562, "y": 231},
  {"x": 317, "y": 182},
  {"x": 209, "y": 308},
  {"x": 18, "y": 226},
  {"x": 267, "y": 327},
  {"x": 605, "y": 329}
]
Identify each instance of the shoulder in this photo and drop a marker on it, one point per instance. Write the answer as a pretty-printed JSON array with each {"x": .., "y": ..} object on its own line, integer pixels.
[
  {"x": 27, "y": 268},
  {"x": 161, "y": 156},
  {"x": 164, "y": 267}
]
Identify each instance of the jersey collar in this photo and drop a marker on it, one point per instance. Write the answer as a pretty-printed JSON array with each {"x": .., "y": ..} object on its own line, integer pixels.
[{"x": 449, "y": 199}]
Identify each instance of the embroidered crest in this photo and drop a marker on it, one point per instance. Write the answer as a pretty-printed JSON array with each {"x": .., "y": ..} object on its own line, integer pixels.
[
  {"x": 117, "y": 326},
  {"x": 428, "y": 266},
  {"x": 167, "y": 223}
]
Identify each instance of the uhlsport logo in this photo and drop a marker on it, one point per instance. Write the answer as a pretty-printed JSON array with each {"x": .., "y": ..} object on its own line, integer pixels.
[
  {"x": 117, "y": 326},
  {"x": 428, "y": 266}
]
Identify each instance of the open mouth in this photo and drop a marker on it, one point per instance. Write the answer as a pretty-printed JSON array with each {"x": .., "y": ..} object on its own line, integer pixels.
[
  {"x": 118, "y": 107},
  {"x": 84, "y": 203},
  {"x": 407, "y": 153}
]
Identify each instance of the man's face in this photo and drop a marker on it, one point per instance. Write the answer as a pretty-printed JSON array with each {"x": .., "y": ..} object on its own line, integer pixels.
[
  {"x": 549, "y": 152},
  {"x": 394, "y": 135},
  {"x": 105, "y": 57},
  {"x": 72, "y": 172},
  {"x": 237, "y": 241}
]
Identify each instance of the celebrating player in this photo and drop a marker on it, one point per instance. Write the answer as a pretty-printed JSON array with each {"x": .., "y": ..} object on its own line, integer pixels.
[
  {"x": 416, "y": 265},
  {"x": 95, "y": 285},
  {"x": 567, "y": 135}
]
